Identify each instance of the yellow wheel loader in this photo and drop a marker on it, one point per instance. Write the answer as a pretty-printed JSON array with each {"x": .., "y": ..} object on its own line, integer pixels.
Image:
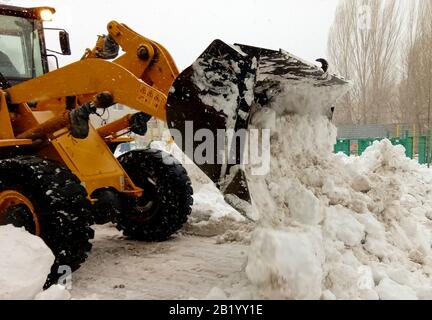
[{"x": 59, "y": 175}]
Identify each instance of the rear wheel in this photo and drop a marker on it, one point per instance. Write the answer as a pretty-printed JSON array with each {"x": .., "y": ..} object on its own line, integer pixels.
[
  {"x": 166, "y": 202},
  {"x": 17, "y": 209},
  {"x": 49, "y": 201}
]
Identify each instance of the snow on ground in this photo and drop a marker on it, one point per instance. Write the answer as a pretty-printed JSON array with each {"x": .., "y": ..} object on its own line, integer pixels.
[
  {"x": 184, "y": 267},
  {"x": 25, "y": 262}
]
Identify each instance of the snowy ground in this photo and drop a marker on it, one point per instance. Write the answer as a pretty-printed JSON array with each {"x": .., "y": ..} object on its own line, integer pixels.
[
  {"x": 208, "y": 254},
  {"x": 182, "y": 268}
]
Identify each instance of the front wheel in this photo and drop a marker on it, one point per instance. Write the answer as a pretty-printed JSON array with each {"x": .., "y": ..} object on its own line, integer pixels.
[
  {"x": 47, "y": 200},
  {"x": 166, "y": 202}
]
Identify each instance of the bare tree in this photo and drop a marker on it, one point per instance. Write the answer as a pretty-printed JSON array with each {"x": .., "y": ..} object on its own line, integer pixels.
[
  {"x": 363, "y": 46},
  {"x": 416, "y": 85}
]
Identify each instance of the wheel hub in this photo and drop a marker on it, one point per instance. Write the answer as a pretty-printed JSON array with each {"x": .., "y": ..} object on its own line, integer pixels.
[
  {"x": 17, "y": 209},
  {"x": 147, "y": 205}
]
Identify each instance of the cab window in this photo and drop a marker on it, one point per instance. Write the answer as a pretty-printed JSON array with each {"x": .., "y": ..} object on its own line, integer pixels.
[{"x": 20, "y": 48}]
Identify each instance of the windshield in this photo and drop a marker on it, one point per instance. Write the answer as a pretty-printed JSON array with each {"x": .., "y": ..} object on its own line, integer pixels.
[{"x": 20, "y": 48}]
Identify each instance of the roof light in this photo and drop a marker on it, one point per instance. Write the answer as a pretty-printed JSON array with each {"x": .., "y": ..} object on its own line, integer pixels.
[{"x": 46, "y": 15}]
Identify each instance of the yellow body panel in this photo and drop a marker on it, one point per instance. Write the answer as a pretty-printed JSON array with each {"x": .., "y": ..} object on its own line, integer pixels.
[
  {"x": 43, "y": 116},
  {"x": 93, "y": 163},
  {"x": 15, "y": 142},
  {"x": 6, "y": 131}
]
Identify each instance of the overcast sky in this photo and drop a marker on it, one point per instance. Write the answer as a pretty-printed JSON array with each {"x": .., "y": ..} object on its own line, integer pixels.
[{"x": 187, "y": 27}]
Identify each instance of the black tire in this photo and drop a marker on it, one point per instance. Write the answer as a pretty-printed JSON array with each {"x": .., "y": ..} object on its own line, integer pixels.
[
  {"x": 61, "y": 205},
  {"x": 167, "y": 201}
]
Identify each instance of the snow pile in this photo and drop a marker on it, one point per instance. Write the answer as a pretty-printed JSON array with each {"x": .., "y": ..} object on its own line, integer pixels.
[
  {"x": 25, "y": 262},
  {"x": 334, "y": 227}
]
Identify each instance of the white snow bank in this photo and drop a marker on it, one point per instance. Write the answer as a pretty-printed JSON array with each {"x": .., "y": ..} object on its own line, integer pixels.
[
  {"x": 25, "y": 262},
  {"x": 372, "y": 213}
]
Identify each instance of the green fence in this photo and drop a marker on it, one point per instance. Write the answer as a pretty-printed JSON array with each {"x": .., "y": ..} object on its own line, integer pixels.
[
  {"x": 345, "y": 146},
  {"x": 408, "y": 143},
  {"x": 424, "y": 153},
  {"x": 363, "y": 144}
]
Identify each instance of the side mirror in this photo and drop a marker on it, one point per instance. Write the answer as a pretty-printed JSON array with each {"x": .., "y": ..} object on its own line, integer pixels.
[{"x": 64, "y": 43}]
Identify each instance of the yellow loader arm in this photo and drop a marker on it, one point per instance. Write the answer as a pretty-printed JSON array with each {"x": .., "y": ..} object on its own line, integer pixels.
[{"x": 140, "y": 79}]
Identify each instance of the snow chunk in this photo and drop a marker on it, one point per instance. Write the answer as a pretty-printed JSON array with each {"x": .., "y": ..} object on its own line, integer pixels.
[
  {"x": 341, "y": 225},
  {"x": 304, "y": 206},
  {"x": 336, "y": 195},
  {"x": 209, "y": 204},
  {"x": 361, "y": 184},
  {"x": 286, "y": 264},
  {"x": 56, "y": 292},
  {"x": 25, "y": 262},
  {"x": 371, "y": 225},
  {"x": 390, "y": 290}
]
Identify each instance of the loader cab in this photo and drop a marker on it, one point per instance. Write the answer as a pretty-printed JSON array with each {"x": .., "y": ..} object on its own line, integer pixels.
[{"x": 23, "y": 54}]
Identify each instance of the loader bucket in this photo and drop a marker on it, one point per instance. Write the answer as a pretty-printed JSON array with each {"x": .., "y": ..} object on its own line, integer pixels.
[{"x": 219, "y": 93}]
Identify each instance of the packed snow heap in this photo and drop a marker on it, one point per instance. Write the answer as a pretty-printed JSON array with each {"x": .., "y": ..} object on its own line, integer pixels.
[
  {"x": 25, "y": 262},
  {"x": 330, "y": 226},
  {"x": 338, "y": 227}
]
